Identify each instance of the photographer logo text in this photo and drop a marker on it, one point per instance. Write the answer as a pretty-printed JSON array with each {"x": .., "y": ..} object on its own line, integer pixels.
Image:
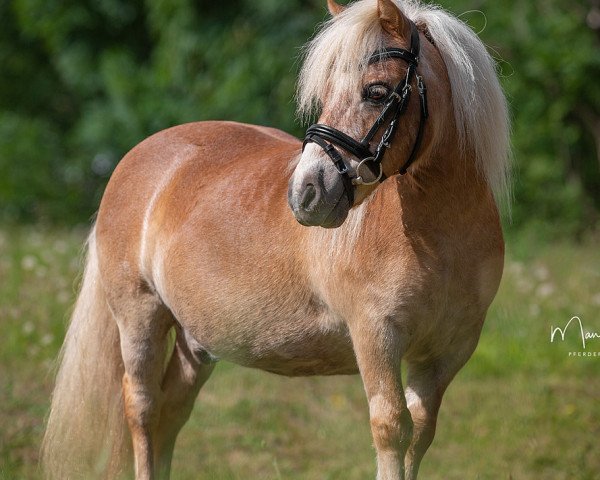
[{"x": 575, "y": 327}]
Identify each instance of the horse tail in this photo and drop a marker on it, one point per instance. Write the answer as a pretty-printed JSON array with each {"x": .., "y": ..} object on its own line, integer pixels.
[{"x": 86, "y": 434}]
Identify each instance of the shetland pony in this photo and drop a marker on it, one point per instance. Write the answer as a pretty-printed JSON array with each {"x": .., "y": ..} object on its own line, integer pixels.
[{"x": 216, "y": 231}]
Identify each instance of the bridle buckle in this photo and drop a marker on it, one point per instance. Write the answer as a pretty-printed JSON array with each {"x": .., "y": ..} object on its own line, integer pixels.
[{"x": 395, "y": 95}]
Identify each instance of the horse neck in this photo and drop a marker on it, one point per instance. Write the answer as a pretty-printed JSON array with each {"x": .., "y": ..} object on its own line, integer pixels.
[
  {"x": 444, "y": 196},
  {"x": 447, "y": 190}
]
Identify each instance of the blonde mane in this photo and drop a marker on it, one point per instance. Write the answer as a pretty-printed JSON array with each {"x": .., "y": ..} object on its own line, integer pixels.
[{"x": 336, "y": 58}]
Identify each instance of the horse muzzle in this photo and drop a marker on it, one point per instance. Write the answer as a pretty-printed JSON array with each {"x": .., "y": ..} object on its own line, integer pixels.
[{"x": 318, "y": 197}]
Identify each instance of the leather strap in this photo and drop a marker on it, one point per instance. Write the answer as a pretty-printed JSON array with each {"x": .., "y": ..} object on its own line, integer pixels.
[
  {"x": 338, "y": 161},
  {"x": 358, "y": 149},
  {"x": 424, "y": 113},
  {"x": 387, "y": 53}
]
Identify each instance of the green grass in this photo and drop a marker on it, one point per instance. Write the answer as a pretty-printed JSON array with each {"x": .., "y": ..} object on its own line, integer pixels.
[{"x": 521, "y": 408}]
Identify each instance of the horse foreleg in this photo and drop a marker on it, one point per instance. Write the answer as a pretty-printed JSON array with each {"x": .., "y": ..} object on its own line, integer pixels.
[
  {"x": 188, "y": 369},
  {"x": 378, "y": 352}
]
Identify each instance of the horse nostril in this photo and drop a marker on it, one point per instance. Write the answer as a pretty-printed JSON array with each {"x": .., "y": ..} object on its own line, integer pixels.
[{"x": 309, "y": 194}]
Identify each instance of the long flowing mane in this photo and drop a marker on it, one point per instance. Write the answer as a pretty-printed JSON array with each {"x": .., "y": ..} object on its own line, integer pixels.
[{"x": 336, "y": 57}]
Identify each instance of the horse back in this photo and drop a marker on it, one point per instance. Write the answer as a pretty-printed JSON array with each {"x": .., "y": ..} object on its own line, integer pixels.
[{"x": 167, "y": 180}]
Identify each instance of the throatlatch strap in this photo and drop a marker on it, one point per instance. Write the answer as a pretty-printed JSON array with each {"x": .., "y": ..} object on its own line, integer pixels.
[{"x": 424, "y": 113}]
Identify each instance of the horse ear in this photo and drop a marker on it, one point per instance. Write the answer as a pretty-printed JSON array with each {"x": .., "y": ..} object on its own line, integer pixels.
[
  {"x": 392, "y": 19},
  {"x": 335, "y": 8}
]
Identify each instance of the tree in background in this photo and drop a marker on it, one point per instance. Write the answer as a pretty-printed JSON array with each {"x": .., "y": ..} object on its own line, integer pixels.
[
  {"x": 81, "y": 82},
  {"x": 549, "y": 55}
]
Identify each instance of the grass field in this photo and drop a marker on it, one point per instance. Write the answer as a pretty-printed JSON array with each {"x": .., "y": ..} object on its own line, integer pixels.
[{"x": 521, "y": 409}]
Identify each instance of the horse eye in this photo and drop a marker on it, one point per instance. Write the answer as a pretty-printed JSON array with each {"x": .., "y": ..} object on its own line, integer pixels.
[{"x": 376, "y": 92}]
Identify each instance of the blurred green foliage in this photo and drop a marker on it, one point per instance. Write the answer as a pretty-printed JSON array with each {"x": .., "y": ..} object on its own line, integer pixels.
[
  {"x": 82, "y": 82},
  {"x": 548, "y": 53}
]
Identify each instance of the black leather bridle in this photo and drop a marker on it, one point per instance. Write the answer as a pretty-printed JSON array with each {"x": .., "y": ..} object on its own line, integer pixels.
[{"x": 395, "y": 105}]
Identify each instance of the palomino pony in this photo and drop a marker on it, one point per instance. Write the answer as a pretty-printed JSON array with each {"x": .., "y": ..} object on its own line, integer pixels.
[{"x": 203, "y": 230}]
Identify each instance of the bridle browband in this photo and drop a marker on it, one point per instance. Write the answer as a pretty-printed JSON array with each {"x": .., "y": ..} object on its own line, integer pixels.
[{"x": 395, "y": 105}]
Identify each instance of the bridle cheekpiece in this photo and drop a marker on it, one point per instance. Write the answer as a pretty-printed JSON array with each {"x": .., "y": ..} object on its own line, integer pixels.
[{"x": 395, "y": 105}]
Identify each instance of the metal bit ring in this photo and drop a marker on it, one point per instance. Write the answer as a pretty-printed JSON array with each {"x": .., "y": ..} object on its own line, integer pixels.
[{"x": 359, "y": 179}]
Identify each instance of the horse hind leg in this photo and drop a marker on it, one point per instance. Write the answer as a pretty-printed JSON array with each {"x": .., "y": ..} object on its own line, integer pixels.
[
  {"x": 425, "y": 386},
  {"x": 143, "y": 328},
  {"x": 424, "y": 396},
  {"x": 188, "y": 369}
]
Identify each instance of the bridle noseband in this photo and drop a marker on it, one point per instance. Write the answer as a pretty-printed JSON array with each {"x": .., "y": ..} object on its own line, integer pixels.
[{"x": 395, "y": 105}]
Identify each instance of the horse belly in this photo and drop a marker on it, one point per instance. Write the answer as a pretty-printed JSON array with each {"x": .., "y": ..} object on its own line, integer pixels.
[
  {"x": 291, "y": 345},
  {"x": 326, "y": 353}
]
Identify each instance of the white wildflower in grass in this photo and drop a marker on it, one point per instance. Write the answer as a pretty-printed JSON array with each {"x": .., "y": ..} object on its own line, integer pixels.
[
  {"x": 33, "y": 351},
  {"x": 541, "y": 272},
  {"x": 544, "y": 290},
  {"x": 28, "y": 327},
  {"x": 524, "y": 285},
  {"x": 516, "y": 268},
  {"x": 60, "y": 246},
  {"x": 47, "y": 339},
  {"x": 28, "y": 262},
  {"x": 63, "y": 297}
]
